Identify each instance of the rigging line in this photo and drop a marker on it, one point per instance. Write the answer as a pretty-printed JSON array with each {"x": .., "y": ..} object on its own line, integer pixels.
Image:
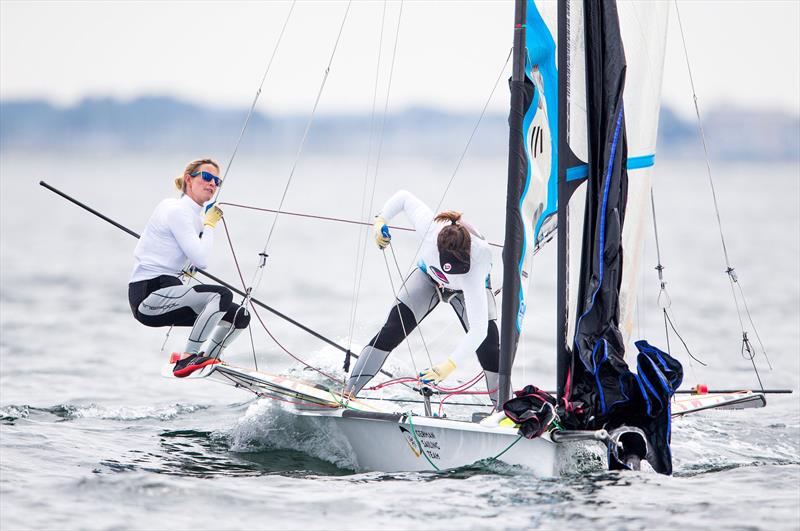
[
  {"x": 381, "y": 130},
  {"x": 466, "y": 148},
  {"x": 414, "y": 401},
  {"x": 385, "y": 111},
  {"x": 660, "y": 268},
  {"x": 753, "y": 325},
  {"x": 260, "y": 320},
  {"x": 312, "y": 216},
  {"x": 404, "y": 286},
  {"x": 241, "y": 278},
  {"x": 378, "y": 158},
  {"x": 667, "y": 303},
  {"x": 350, "y": 221},
  {"x": 399, "y": 314},
  {"x": 672, "y": 325},
  {"x": 252, "y": 345},
  {"x": 364, "y": 213},
  {"x": 255, "y": 100},
  {"x": 259, "y": 272},
  {"x": 730, "y": 270}
]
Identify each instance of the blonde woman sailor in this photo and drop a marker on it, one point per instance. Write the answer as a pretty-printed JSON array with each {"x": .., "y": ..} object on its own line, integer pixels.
[
  {"x": 453, "y": 267},
  {"x": 180, "y": 236}
]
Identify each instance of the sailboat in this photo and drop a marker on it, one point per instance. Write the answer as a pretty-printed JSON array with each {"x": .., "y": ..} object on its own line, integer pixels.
[
  {"x": 585, "y": 92},
  {"x": 581, "y": 154}
]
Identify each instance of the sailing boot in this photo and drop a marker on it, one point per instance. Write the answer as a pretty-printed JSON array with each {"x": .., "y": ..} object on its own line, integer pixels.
[
  {"x": 222, "y": 336},
  {"x": 493, "y": 386},
  {"x": 369, "y": 363},
  {"x": 187, "y": 363}
]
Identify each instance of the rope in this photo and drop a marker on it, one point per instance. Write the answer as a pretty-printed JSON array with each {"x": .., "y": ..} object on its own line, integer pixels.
[
  {"x": 363, "y": 250},
  {"x": 260, "y": 320},
  {"x": 495, "y": 458},
  {"x": 403, "y": 286},
  {"x": 344, "y": 220},
  {"x": 424, "y": 453},
  {"x": 364, "y": 212},
  {"x": 732, "y": 277},
  {"x": 419, "y": 444},
  {"x": 400, "y": 315},
  {"x": 257, "y": 277},
  {"x": 466, "y": 148},
  {"x": 664, "y": 300},
  {"x": 255, "y": 100}
]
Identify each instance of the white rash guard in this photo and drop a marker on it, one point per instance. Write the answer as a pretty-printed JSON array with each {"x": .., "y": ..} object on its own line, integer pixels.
[
  {"x": 472, "y": 284},
  {"x": 171, "y": 238}
]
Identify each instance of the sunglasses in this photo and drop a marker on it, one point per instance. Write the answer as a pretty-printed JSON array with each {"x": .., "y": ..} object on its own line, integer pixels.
[{"x": 207, "y": 177}]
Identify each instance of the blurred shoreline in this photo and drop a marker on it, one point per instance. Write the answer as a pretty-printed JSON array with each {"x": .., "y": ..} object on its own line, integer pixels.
[{"x": 161, "y": 125}]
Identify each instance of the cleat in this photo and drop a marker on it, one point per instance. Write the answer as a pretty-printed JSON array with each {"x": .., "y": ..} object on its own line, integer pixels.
[{"x": 192, "y": 363}]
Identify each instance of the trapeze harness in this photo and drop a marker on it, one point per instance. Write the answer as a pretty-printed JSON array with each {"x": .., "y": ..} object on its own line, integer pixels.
[
  {"x": 175, "y": 236},
  {"x": 469, "y": 294}
]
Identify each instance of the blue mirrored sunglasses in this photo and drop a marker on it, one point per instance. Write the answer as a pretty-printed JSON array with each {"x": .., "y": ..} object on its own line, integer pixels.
[{"x": 208, "y": 177}]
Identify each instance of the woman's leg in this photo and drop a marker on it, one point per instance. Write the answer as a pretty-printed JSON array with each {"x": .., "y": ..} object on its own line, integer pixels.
[
  {"x": 200, "y": 306},
  {"x": 233, "y": 322},
  {"x": 417, "y": 297}
]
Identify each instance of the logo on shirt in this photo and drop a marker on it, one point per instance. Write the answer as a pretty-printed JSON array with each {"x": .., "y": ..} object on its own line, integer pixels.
[{"x": 439, "y": 275}]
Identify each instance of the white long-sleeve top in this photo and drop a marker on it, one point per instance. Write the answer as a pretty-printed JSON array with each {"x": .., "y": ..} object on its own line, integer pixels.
[
  {"x": 472, "y": 283},
  {"x": 171, "y": 238}
]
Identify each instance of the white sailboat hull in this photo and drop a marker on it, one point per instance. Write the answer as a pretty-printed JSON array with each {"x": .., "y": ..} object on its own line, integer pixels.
[
  {"x": 383, "y": 439},
  {"x": 395, "y": 443}
]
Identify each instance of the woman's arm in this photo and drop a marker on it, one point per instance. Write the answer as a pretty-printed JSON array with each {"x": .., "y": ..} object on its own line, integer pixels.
[
  {"x": 418, "y": 213},
  {"x": 196, "y": 249},
  {"x": 478, "y": 318}
]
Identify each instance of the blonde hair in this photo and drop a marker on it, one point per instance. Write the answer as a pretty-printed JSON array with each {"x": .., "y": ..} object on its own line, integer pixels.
[
  {"x": 180, "y": 181},
  {"x": 454, "y": 237}
]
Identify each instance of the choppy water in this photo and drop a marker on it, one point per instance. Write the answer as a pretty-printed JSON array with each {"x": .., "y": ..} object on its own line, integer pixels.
[{"x": 93, "y": 438}]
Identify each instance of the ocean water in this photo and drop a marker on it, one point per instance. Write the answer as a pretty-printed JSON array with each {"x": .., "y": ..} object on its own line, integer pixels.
[{"x": 91, "y": 437}]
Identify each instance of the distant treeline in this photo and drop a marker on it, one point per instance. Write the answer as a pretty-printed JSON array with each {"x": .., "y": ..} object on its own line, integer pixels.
[{"x": 152, "y": 125}]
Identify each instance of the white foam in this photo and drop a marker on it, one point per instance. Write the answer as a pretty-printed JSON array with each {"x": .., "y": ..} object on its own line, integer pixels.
[{"x": 267, "y": 424}]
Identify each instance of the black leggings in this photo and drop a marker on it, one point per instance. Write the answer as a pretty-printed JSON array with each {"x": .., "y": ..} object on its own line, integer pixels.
[
  {"x": 166, "y": 301},
  {"x": 173, "y": 312}
]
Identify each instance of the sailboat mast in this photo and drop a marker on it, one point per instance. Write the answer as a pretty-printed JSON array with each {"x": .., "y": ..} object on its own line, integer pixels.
[
  {"x": 514, "y": 231},
  {"x": 562, "y": 290}
]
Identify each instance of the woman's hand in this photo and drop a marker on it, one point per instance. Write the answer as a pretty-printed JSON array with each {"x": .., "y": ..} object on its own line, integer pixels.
[
  {"x": 213, "y": 215},
  {"x": 438, "y": 372},
  {"x": 381, "y": 230}
]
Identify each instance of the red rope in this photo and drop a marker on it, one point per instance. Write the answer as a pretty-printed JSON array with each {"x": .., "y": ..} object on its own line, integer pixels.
[
  {"x": 460, "y": 387},
  {"x": 391, "y": 382},
  {"x": 325, "y": 218},
  {"x": 255, "y": 312}
]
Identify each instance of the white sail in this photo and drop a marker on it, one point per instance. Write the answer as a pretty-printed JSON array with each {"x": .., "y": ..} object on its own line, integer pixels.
[
  {"x": 643, "y": 25},
  {"x": 577, "y": 140}
]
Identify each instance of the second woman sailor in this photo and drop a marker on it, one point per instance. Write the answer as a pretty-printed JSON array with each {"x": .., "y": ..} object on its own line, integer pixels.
[{"x": 453, "y": 267}]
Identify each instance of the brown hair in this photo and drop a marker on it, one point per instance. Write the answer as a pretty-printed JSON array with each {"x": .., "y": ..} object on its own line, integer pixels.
[
  {"x": 180, "y": 181},
  {"x": 454, "y": 237}
]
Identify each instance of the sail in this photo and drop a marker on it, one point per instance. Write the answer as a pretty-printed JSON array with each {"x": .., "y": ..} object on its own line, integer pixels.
[
  {"x": 532, "y": 169},
  {"x": 643, "y": 27},
  {"x": 595, "y": 384}
]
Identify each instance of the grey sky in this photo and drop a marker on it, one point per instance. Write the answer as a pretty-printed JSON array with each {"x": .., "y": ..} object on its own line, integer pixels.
[{"x": 743, "y": 53}]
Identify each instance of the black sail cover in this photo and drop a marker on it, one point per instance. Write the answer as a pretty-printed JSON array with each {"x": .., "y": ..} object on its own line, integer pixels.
[{"x": 601, "y": 390}]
